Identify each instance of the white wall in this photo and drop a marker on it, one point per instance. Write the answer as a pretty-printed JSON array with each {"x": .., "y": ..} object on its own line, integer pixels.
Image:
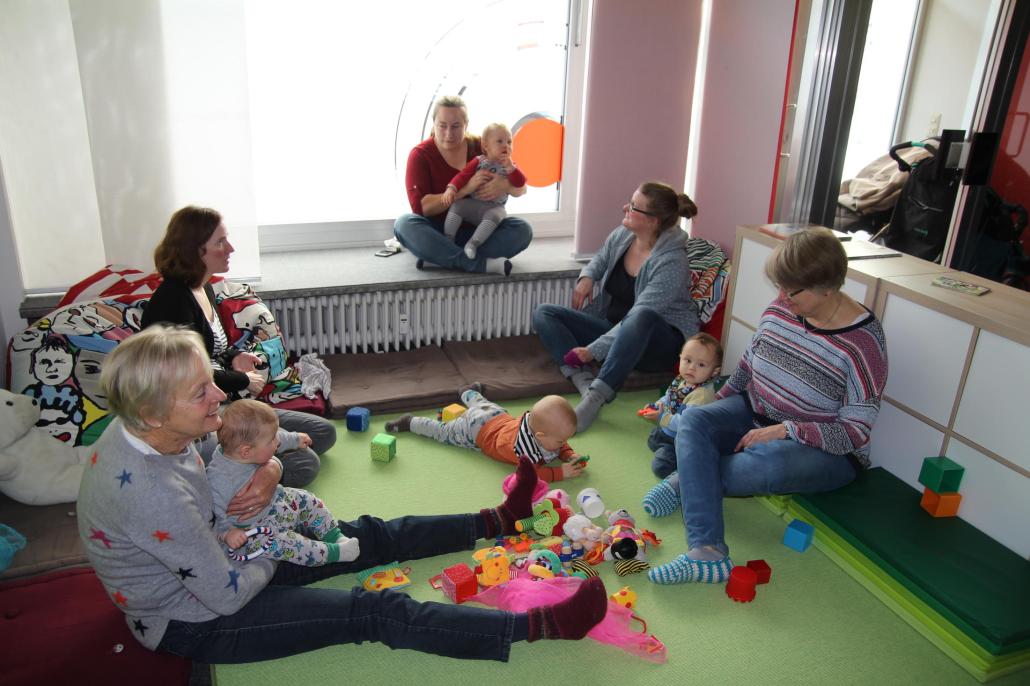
[
  {"x": 44, "y": 147},
  {"x": 945, "y": 69},
  {"x": 745, "y": 79}
]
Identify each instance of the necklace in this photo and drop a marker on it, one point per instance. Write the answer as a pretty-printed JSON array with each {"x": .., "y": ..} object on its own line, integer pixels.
[{"x": 829, "y": 320}]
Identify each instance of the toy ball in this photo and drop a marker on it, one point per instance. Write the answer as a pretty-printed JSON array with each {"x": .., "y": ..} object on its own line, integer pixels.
[{"x": 625, "y": 597}]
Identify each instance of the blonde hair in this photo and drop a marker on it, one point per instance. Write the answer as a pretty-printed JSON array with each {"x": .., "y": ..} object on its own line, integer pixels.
[
  {"x": 495, "y": 126},
  {"x": 554, "y": 413},
  {"x": 244, "y": 422},
  {"x": 143, "y": 374},
  {"x": 710, "y": 342},
  {"x": 810, "y": 259},
  {"x": 450, "y": 101}
]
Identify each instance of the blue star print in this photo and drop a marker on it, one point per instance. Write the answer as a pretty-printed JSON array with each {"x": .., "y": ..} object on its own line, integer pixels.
[
  {"x": 234, "y": 579},
  {"x": 125, "y": 477}
]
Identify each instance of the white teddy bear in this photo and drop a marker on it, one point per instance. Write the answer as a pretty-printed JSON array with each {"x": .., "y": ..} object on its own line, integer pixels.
[{"x": 35, "y": 468}]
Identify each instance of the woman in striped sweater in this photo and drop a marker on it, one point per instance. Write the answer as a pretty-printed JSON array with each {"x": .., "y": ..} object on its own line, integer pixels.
[{"x": 797, "y": 414}]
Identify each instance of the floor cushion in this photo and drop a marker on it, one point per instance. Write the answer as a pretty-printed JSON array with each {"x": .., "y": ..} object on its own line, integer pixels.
[
  {"x": 51, "y": 537},
  {"x": 61, "y": 628},
  {"x": 962, "y": 589}
]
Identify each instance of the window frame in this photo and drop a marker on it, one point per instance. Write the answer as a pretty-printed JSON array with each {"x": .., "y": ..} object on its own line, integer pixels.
[{"x": 273, "y": 238}]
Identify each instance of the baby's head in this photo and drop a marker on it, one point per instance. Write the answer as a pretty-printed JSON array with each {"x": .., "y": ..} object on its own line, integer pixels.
[
  {"x": 248, "y": 432},
  {"x": 701, "y": 358},
  {"x": 553, "y": 421},
  {"x": 497, "y": 143}
]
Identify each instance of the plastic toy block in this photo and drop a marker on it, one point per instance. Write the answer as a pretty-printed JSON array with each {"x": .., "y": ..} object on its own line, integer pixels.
[
  {"x": 357, "y": 419},
  {"x": 741, "y": 584},
  {"x": 459, "y": 582},
  {"x": 941, "y": 475},
  {"x": 384, "y": 447},
  {"x": 798, "y": 535},
  {"x": 452, "y": 412},
  {"x": 761, "y": 569},
  {"x": 941, "y": 504}
]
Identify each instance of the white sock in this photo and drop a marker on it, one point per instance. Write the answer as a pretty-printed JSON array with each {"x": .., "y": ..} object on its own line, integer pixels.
[
  {"x": 498, "y": 265},
  {"x": 349, "y": 549}
]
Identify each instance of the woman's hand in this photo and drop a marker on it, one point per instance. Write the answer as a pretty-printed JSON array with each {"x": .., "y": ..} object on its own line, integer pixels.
[
  {"x": 583, "y": 293},
  {"x": 257, "y": 493},
  {"x": 245, "y": 362},
  {"x": 257, "y": 383},
  {"x": 776, "y": 432}
]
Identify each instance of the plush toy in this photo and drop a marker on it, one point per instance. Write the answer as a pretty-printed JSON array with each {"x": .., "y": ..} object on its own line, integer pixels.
[
  {"x": 35, "y": 467},
  {"x": 623, "y": 540}
]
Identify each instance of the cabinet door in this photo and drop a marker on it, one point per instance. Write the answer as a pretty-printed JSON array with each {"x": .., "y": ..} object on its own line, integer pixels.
[
  {"x": 926, "y": 351},
  {"x": 994, "y": 499},
  {"x": 994, "y": 410},
  {"x": 737, "y": 341},
  {"x": 753, "y": 292},
  {"x": 900, "y": 441}
]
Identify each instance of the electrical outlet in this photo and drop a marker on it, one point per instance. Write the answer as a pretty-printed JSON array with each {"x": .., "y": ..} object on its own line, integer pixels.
[
  {"x": 402, "y": 324},
  {"x": 935, "y": 125}
]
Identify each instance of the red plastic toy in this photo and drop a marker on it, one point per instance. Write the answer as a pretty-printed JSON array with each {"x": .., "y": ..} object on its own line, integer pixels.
[
  {"x": 457, "y": 581},
  {"x": 761, "y": 569},
  {"x": 741, "y": 584}
]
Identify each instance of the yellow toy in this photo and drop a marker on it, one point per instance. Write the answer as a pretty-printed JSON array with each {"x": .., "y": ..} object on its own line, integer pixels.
[
  {"x": 493, "y": 566},
  {"x": 452, "y": 412},
  {"x": 625, "y": 597}
]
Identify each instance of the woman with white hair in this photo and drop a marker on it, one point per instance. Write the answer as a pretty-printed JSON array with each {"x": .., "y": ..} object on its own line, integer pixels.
[{"x": 146, "y": 520}]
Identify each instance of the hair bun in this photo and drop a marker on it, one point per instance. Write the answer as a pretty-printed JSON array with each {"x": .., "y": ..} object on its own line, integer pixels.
[{"x": 687, "y": 207}]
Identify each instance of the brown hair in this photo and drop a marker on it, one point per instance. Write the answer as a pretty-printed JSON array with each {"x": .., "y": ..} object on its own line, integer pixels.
[
  {"x": 666, "y": 204},
  {"x": 177, "y": 256},
  {"x": 244, "y": 422},
  {"x": 809, "y": 259},
  {"x": 710, "y": 342}
]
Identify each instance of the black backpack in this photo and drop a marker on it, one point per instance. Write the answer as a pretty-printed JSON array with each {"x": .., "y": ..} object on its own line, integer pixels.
[{"x": 919, "y": 224}]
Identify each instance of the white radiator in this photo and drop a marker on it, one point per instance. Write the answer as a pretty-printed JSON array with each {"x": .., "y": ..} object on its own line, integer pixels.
[{"x": 382, "y": 321}]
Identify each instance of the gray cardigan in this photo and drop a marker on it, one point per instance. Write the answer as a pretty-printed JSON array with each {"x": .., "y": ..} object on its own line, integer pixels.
[
  {"x": 147, "y": 523},
  {"x": 663, "y": 283}
]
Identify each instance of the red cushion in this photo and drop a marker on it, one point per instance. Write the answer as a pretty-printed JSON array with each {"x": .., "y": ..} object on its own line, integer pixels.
[
  {"x": 61, "y": 628},
  {"x": 714, "y": 325}
]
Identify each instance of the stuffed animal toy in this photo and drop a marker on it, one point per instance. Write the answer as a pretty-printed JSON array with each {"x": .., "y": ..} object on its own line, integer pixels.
[
  {"x": 623, "y": 540},
  {"x": 35, "y": 467}
]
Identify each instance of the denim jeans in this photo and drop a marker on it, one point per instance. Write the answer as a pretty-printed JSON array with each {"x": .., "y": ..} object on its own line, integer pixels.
[
  {"x": 664, "y": 448},
  {"x": 709, "y": 468},
  {"x": 301, "y": 466},
  {"x": 645, "y": 341},
  {"x": 426, "y": 242},
  {"x": 286, "y": 618}
]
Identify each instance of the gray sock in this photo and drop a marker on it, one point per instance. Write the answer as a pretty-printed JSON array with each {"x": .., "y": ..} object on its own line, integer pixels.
[
  {"x": 590, "y": 406},
  {"x": 580, "y": 377}
]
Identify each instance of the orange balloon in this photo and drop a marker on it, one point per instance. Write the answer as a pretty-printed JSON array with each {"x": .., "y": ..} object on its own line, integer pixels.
[{"x": 538, "y": 151}]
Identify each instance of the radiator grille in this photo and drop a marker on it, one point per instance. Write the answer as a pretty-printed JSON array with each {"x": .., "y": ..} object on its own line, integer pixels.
[{"x": 381, "y": 321}]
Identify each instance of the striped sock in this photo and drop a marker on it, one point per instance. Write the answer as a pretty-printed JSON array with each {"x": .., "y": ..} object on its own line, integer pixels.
[
  {"x": 683, "y": 570},
  {"x": 662, "y": 500}
]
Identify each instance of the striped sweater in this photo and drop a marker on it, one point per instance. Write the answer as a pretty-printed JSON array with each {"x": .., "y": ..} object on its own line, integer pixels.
[{"x": 823, "y": 385}]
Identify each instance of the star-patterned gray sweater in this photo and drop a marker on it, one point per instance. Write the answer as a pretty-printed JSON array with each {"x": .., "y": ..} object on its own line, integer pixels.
[
  {"x": 663, "y": 283},
  {"x": 147, "y": 521}
]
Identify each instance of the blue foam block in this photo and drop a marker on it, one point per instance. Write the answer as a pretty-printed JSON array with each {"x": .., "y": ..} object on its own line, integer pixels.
[
  {"x": 798, "y": 535},
  {"x": 357, "y": 419}
]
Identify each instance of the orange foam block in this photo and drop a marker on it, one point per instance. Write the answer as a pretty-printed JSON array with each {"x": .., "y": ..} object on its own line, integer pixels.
[{"x": 941, "y": 504}]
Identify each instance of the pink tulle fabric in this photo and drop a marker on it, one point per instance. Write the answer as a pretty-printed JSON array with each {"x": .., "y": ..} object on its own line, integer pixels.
[{"x": 617, "y": 627}]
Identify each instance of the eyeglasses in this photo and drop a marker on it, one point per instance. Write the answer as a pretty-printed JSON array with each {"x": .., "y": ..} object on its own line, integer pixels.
[
  {"x": 634, "y": 208},
  {"x": 791, "y": 294}
]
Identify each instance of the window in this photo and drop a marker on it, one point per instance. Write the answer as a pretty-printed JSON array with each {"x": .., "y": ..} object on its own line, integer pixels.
[{"x": 340, "y": 92}]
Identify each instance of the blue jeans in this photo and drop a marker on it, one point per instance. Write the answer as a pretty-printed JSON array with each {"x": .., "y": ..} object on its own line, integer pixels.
[
  {"x": 709, "y": 469},
  {"x": 664, "y": 448},
  {"x": 645, "y": 341},
  {"x": 286, "y": 618},
  {"x": 426, "y": 242},
  {"x": 301, "y": 466}
]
